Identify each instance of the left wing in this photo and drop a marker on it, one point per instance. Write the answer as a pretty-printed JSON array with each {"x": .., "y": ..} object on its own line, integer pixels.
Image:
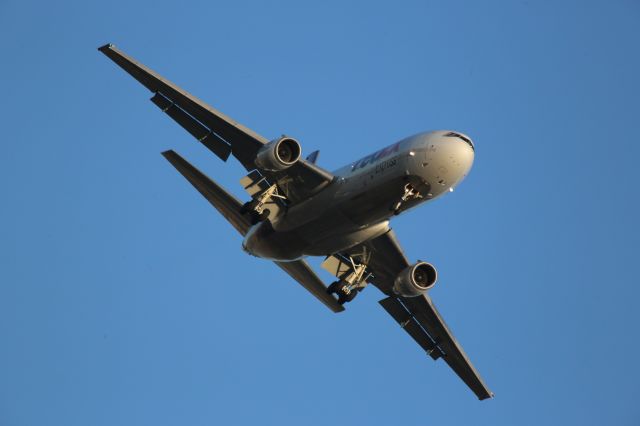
[
  {"x": 229, "y": 207},
  {"x": 219, "y": 133},
  {"x": 418, "y": 316}
]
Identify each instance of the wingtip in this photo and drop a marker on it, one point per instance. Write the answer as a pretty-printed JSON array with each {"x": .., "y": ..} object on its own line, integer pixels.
[
  {"x": 338, "y": 310},
  {"x": 490, "y": 395},
  {"x": 105, "y": 47}
]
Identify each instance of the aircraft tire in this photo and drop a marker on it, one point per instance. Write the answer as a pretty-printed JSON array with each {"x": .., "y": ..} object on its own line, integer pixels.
[
  {"x": 333, "y": 287},
  {"x": 246, "y": 207}
]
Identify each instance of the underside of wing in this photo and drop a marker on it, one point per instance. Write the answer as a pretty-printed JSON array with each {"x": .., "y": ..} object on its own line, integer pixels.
[{"x": 418, "y": 316}]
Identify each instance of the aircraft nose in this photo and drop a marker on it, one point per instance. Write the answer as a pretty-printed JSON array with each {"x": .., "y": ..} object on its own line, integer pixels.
[
  {"x": 449, "y": 159},
  {"x": 460, "y": 152},
  {"x": 464, "y": 156}
]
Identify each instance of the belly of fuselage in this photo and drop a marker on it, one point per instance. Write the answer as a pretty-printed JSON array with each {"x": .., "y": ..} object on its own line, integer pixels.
[
  {"x": 343, "y": 217},
  {"x": 325, "y": 235}
]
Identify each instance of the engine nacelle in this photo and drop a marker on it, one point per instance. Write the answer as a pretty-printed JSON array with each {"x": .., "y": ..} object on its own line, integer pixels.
[
  {"x": 279, "y": 154},
  {"x": 415, "y": 280}
]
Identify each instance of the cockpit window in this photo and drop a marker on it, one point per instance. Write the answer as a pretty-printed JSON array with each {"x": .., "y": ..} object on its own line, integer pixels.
[{"x": 464, "y": 138}]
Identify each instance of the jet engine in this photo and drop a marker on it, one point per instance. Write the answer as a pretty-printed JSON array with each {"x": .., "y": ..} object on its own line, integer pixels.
[
  {"x": 279, "y": 154},
  {"x": 415, "y": 279}
]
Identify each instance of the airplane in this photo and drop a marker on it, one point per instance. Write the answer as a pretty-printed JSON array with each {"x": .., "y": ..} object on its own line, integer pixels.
[{"x": 298, "y": 209}]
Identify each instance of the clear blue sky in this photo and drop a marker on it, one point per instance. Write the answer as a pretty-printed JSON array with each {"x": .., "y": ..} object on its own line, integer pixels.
[{"x": 125, "y": 298}]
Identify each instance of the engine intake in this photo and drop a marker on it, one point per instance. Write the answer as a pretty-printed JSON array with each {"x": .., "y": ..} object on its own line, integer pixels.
[
  {"x": 279, "y": 154},
  {"x": 415, "y": 280}
]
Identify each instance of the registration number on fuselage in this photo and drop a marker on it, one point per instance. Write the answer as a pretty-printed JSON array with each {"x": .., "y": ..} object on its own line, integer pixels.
[{"x": 386, "y": 164}]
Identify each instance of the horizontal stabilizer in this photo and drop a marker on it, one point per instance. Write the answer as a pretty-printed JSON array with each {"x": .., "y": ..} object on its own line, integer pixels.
[{"x": 224, "y": 202}]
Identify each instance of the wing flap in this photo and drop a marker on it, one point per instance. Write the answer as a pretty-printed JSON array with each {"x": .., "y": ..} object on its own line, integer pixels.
[
  {"x": 425, "y": 312},
  {"x": 411, "y": 326}
]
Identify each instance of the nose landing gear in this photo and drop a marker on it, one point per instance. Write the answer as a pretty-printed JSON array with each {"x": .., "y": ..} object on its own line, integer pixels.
[{"x": 410, "y": 193}]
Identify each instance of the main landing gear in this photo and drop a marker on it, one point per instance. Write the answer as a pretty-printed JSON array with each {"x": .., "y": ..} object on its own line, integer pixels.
[
  {"x": 257, "y": 205},
  {"x": 347, "y": 288}
]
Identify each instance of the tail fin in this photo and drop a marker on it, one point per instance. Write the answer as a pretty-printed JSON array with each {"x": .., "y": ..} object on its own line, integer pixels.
[{"x": 313, "y": 157}]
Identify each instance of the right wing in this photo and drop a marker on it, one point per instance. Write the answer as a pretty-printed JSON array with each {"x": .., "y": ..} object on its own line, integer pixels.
[
  {"x": 219, "y": 133},
  {"x": 229, "y": 207},
  {"x": 418, "y": 316}
]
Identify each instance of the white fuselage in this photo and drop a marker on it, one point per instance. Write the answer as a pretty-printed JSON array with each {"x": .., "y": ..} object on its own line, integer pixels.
[{"x": 358, "y": 204}]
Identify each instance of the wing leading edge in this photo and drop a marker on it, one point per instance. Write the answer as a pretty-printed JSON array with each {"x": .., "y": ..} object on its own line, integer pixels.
[
  {"x": 229, "y": 207},
  {"x": 418, "y": 316},
  {"x": 218, "y": 132}
]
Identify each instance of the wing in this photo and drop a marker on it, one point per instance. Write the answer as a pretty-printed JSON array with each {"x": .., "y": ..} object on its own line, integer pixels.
[
  {"x": 219, "y": 133},
  {"x": 301, "y": 272},
  {"x": 229, "y": 207},
  {"x": 418, "y": 316}
]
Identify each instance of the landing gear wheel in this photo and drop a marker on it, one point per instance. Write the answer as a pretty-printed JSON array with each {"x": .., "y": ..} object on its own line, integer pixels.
[
  {"x": 337, "y": 287},
  {"x": 334, "y": 287},
  {"x": 259, "y": 217},
  {"x": 346, "y": 298},
  {"x": 246, "y": 207}
]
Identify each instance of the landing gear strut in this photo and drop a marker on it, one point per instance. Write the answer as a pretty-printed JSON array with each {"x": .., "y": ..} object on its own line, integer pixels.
[
  {"x": 257, "y": 206},
  {"x": 256, "y": 217},
  {"x": 348, "y": 286}
]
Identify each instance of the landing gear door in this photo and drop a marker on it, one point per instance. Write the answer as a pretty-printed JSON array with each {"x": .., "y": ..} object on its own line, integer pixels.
[
  {"x": 264, "y": 196},
  {"x": 254, "y": 183},
  {"x": 337, "y": 267}
]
